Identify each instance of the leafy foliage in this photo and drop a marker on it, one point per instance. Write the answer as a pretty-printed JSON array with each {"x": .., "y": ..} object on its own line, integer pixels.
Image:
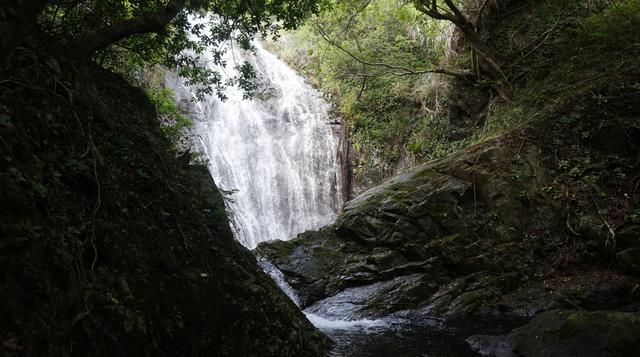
[
  {"x": 173, "y": 122},
  {"x": 199, "y": 27},
  {"x": 382, "y": 109},
  {"x": 551, "y": 50},
  {"x": 619, "y": 23}
]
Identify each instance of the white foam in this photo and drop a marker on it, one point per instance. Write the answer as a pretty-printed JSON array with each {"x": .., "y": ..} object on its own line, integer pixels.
[{"x": 326, "y": 324}]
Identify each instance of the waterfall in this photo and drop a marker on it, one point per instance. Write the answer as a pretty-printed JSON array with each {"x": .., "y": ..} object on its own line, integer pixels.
[
  {"x": 327, "y": 317},
  {"x": 277, "y": 276},
  {"x": 275, "y": 153}
]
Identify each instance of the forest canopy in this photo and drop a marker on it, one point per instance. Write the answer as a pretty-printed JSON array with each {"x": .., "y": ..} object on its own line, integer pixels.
[
  {"x": 130, "y": 35},
  {"x": 133, "y": 34}
]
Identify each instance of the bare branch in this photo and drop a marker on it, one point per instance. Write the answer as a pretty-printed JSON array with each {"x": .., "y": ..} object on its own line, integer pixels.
[
  {"x": 456, "y": 12},
  {"x": 393, "y": 69},
  {"x": 482, "y": 7},
  {"x": 469, "y": 30},
  {"x": 432, "y": 10},
  {"x": 355, "y": 14}
]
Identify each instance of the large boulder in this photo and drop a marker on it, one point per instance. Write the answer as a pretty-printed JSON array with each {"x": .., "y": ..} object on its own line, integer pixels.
[
  {"x": 457, "y": 222},
  {"x": 478, "y": 231},
  {"x": 564, "y": 333}
]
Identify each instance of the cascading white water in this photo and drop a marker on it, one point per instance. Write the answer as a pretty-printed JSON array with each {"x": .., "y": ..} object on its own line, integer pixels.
[
  {"x": 279, "y": 155},
  {"x": 277, "y": 152},
  {"x": 332, "y": 317}
]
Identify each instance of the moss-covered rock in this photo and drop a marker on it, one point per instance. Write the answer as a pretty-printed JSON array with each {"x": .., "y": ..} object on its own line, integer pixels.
[
  {"x": 445, "y": 220},
  {"x": 568, "y": 334},
  {"x": 481, "y": 226}
]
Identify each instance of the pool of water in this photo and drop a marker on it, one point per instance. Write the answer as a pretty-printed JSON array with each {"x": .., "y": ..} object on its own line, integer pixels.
[
  {"x": 403, "y": 334},
  {"x": 399, "y": 337}
]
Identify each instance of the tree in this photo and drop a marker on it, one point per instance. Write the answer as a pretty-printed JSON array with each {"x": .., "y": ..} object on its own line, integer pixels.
[
  {"x": 447, "y": 10},
  {"x": 17, "y": 19},
  {"x": 117, "y": 33},
  {"x": 373, "y": 34}
]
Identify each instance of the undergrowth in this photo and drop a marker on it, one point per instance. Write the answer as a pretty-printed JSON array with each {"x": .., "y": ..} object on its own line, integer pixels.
[{"x": 173, "y": 122}]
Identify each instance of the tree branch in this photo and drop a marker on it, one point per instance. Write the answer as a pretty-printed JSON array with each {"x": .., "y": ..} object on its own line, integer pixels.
[
  {"x": 153, "y": 22},
  {"x": 433, "y": 11},
  {"x": 456, "y": 12},
  {"x": 393, "y": 68},
  {"x": 469, "y": 30},
  {"x": 355, "y": 14},
  {"x": 481, "y": 10}
]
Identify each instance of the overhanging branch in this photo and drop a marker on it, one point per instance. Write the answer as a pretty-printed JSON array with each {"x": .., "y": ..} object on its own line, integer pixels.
[
  {"x": 454, "y": 15},
  {"x": 153, "y": 22}
]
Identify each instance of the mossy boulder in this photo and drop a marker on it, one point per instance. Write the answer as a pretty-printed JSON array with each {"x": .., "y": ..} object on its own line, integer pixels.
[
  {"x": 446, "y": 220},
  {"x": 481, "y": 229},
  {"x": 567, "y": 334}
]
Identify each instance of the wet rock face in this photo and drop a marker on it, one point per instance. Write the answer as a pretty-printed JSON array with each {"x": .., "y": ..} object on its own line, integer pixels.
[
  {"x": 408, "y": 212},
  {"x": 567, "y": 334},
  {"x": 474, "y": 232},
  {"x": 445, "y": 221}
]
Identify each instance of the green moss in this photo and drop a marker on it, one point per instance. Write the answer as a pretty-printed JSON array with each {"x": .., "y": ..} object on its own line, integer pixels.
[{"x": 579, "y": 333}]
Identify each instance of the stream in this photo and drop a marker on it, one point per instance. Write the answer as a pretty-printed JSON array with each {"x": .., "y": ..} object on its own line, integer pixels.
[{"x": 403, "y": 334}]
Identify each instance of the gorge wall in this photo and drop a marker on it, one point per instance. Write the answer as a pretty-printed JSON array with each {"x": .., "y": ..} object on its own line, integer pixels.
[{"x": 108, "y": 244}]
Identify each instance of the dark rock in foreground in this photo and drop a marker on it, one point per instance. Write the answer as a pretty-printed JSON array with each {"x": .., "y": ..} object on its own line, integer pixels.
[
  {"x": 567, "y": 334},
  {"x": 108, "y": 245}
]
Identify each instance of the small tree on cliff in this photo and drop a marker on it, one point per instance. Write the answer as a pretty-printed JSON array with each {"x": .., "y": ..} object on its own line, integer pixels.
[
  {"x": 484, "y": 57},
  {"x": 143, "y": 32}
]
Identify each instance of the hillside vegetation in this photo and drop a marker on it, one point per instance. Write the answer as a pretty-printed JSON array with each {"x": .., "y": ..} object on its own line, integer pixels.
[{"x": 368, "y": 57}]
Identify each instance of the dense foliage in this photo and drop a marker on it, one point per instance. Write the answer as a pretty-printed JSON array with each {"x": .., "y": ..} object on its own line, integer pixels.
[
  {"x": 174, "y": 123},
  {"x": 369, "y": 56},
  {"x": 174, "y": 33},
  {"x": 364, "y": 54}
]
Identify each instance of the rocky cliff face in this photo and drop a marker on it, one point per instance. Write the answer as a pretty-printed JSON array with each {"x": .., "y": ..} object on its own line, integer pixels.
[
  {"x": 479, "y": 231},
  {"x": 541, "y": 216},
  {"x": 110, "y": 246}
]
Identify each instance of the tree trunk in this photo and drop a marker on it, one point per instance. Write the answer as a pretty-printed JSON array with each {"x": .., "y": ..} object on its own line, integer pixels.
[
  {"x": 93, "y": 41},
  {"x": 454, "y": 15},
  {"x": 17, "y": 20},
  {"x": 486, "y": 55}
]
